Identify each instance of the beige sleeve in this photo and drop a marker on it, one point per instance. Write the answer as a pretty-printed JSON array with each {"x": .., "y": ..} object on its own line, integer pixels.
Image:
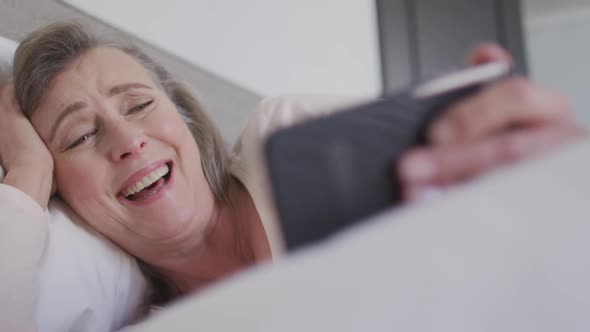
[
  {"x": 23, "y": 235},
  {"x": 248, "y": 164}
]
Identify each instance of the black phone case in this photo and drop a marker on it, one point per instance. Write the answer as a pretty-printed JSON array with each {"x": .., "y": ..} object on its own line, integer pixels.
[{"x": 330, "y": 172}]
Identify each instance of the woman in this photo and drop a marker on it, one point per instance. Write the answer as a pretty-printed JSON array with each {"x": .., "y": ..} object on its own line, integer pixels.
[{"x": 133, "y": 153}]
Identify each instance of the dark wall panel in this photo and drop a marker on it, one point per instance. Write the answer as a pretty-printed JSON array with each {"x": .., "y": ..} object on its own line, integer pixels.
[
  {"x": 424, "y": 38},
  {"x": 447, "y": 30},
  {"x": 395, "y": 41}
]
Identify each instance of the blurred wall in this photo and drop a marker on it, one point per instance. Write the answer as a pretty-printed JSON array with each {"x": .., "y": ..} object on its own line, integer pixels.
[
  {"x": 271, "y": 47},
  {"x": 558, "y": 47}
]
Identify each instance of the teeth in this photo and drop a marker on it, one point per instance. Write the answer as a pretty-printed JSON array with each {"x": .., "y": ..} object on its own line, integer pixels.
[{"x": 147, "y": 180}]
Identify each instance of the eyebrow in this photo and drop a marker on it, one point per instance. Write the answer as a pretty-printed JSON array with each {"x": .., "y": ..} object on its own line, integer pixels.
[
  {"x": 77, "y": 106},
  {"x": 117, "y": 89}
]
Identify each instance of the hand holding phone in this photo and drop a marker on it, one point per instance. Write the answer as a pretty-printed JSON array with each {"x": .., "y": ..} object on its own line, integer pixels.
[
  {"x": 504, "y": 123},
  {"x": 331, "y": 172}
]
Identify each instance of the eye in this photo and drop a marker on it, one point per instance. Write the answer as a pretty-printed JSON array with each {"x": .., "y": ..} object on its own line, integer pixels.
[
  {"x": 82, "y": 139},
  {"x": 140, "y": 107}
]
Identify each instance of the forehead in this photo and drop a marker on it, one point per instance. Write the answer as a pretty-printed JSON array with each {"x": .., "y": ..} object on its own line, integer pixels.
[
  {"x": 95, "y": 72},
  {"x": 90, "y": 76}
]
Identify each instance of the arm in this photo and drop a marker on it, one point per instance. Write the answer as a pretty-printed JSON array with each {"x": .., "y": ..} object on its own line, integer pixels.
[
  {"x": 23, "y": 231},
  {"x": 26, "y": 160},
  {"x": 24, "y": 194}
]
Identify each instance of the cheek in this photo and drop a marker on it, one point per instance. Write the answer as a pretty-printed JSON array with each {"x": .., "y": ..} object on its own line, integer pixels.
[
  {"x": 78, "y": 182},
  {"x": 170, "y": 127},
  {"x": 81, "y": 184},
  {"x": 176, "y": 133}
]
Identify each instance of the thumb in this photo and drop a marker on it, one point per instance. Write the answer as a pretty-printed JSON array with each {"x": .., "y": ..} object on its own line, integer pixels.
[{"x": 489, "y": 52}]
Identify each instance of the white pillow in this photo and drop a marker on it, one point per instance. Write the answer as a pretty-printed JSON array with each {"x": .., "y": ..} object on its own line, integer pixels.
[{"x": 86, "y": 283}]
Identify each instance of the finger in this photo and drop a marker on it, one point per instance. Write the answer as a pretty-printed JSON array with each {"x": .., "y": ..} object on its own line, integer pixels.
[
  {"x": 507, "y": 104},
  {"x": 488, "y": 52},
  {"x": 450, "y": 164}
]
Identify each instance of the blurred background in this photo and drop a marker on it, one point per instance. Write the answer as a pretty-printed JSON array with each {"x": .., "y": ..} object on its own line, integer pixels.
[{"x": 235, "y": 52}]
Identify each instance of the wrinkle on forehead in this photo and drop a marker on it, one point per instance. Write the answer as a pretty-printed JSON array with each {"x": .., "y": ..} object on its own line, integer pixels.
[{"x": 92, "y": 74}]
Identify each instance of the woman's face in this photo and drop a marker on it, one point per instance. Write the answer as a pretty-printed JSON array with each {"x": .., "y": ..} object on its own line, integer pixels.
[{"x": 112, "y": 131}]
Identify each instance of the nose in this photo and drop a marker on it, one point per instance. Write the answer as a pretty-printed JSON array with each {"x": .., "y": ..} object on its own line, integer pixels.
[{"x": 127, "y": 141}]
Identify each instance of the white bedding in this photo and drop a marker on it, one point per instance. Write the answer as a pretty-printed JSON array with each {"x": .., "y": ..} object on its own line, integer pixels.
[
  {"x": 508, "y": 253},
  {"x": 87, "y": 283}
]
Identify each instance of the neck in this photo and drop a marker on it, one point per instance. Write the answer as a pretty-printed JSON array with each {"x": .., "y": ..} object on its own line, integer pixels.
[{"x": 234, "y": 239}]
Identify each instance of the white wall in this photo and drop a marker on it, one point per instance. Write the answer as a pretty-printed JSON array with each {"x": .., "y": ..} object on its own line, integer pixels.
[
  {"x": 558, "y": 47},
  {"x": 271, "y": 47}
]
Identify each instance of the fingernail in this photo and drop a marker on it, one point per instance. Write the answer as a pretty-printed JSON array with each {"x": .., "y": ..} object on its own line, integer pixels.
[
  {"x": 419, "y": 168},
  {"x": 443, "y": 133}
]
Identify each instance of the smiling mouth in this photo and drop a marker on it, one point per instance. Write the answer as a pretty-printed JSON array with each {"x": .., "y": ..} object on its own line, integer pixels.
[{"x": 149, "y": 184}]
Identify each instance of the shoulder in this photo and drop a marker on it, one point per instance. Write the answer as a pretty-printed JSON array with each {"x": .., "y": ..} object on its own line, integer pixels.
[
  {"x": 248, "y": 162},
  {"x": 273, "y": 113}
]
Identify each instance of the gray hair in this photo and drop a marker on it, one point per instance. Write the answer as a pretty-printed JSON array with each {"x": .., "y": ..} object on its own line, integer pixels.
[{"x": 48, "y": 51}]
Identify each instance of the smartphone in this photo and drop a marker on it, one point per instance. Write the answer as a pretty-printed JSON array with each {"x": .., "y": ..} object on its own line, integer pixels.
[{"x": 331, "y": 172}]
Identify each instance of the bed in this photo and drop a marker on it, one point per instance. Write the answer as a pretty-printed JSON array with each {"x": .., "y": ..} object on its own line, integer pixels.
[{"x": 496, "y": 254}]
